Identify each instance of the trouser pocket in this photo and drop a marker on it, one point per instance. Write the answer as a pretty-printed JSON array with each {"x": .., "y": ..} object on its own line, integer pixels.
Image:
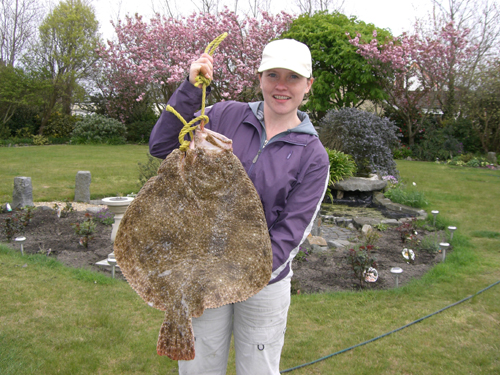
[{"x": 258, "y": 350}]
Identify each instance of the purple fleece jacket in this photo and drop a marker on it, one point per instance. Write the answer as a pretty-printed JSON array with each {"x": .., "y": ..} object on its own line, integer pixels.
[{"x": 290, "y": 172}]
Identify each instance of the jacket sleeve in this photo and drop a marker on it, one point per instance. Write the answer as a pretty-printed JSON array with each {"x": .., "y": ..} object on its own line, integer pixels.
[
  {"x": 164, "y": 137},
  {"x": 295, "y": 222}
]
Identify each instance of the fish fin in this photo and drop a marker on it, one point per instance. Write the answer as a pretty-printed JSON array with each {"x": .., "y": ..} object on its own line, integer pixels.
[{"x": 176, "y": 340}]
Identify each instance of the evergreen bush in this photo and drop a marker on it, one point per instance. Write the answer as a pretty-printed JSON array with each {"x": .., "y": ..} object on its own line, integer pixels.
[
  {"x": 365, "y": 136},
  {"x": 24, "y": 123},
  {"x": 401, "y": 152},
  {"x": 60, "y": 126},
  {"x": 139, "y": 131},
  {"x": 98, "y": 129}
]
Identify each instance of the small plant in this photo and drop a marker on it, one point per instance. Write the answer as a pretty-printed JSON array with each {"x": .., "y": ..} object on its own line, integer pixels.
[
  {"x": 342, "y": 166},
  {"x": 371, "y": 237},
  {"x": 381, "y": 227},
  {"x": 302, "y": 255},
  {"x": 26, "y": 215},
  {"x": 11, "y": 226},
  {"x": 65, "y": 211},
  {"x": 408, "y": 231},
  {"x": 392, "y": 181},
  {"x": 105, "y": 217},
  {"x": 43, "y": 250},
  {"x": 85, "y": 230},
  {"x": 429, "y": 245},
  {"x": 361, "y": 259}
]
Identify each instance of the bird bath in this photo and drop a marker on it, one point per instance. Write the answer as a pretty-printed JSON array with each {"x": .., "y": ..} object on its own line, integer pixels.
[{"x": 117, "y": 206}]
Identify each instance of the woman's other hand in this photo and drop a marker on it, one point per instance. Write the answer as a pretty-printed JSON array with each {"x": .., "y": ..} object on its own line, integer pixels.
[{"x": 203, "y": 66}]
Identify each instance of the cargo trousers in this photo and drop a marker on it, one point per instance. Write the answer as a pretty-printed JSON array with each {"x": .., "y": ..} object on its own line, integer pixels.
[{"x": 258, "y": 325}]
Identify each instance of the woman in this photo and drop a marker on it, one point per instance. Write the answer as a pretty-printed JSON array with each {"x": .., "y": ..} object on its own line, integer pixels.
[{"x": 281, "y": 152}]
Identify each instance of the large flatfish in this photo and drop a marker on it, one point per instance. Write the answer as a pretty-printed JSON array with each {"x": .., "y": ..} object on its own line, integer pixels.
[{"x": 195, "y": 237}]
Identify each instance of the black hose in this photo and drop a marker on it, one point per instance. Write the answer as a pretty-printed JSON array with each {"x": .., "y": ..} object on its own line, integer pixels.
[{"x": 388, "y": 333}]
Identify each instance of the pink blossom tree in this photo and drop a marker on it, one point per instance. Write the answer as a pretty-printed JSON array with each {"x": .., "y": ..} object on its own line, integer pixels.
[
  {"x": 419, "y": 72},
  {"x": 149, "y": 60}
]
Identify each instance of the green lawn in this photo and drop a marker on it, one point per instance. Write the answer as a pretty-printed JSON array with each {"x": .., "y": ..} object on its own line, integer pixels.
[
  {"x": 53, "y": 170},
  {"x": 59, "y": 320}
]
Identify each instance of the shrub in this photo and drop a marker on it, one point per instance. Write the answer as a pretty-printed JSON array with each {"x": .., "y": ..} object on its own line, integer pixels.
[
  {"x": 60, "y": 126},
  {"x": 468, "y": 160},
  {"x": 16, "y": 141},
  {"x": 98, "y": 129},
  {"x": 139, "y": 131},
  {"x": 445, "y": 142},
  {"x": 365, "y": 136},
  {"x": 26, "y": 120},
  {"x": 464, "y": 132},
  {"x": 473, "y": 163},
  {"x": 40, "y": 140},
  {"x": 402, "y": 152}
]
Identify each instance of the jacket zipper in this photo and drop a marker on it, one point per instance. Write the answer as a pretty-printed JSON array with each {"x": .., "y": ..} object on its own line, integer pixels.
[
  {"x": 266, "y": 142},
  {"x": 258, "y": 153}
]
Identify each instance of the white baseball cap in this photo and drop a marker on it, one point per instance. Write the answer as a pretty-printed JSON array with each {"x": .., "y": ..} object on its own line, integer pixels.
[{"x": 287, "y": 54}]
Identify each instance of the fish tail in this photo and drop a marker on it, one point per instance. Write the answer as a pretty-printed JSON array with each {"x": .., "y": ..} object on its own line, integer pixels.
[{"x": 176, "y": 341}]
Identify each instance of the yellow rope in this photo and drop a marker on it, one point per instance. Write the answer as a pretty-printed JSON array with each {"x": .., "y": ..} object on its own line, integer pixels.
[{"x": 204, "y": 82}]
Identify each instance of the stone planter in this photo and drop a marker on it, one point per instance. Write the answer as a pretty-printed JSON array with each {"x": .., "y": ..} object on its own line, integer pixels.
[{"x": 118, "y": 206}]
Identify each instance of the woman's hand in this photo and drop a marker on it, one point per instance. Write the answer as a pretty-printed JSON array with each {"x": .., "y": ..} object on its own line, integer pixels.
[{"x": 203, "y": 66}]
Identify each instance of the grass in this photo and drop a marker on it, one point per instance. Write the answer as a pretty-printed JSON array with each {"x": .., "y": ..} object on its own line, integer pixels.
[
  {"x": 408, "y": 196},
  {"x": 57, "y": 320},
  {"x": 114, "y": 170}
]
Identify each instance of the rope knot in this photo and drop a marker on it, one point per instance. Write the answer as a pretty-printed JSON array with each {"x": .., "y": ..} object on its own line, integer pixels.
[{"x": 200, "y": 80}]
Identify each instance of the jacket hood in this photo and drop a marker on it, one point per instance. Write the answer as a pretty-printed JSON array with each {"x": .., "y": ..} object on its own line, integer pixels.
[{"x": 305, "y": 126}]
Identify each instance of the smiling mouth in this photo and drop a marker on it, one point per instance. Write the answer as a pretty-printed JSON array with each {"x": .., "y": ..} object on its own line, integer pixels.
[{"x": 281, "y": 97}]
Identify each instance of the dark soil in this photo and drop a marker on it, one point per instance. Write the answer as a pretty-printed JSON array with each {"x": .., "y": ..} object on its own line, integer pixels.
[
  {"x": 322, "y": 271},
  {"x": 331, "y": 271},
  {"x": 55, "y": 237}
]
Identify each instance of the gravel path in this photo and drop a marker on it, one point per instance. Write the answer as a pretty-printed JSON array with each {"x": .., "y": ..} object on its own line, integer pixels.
[{"x": 78, "y": 206}]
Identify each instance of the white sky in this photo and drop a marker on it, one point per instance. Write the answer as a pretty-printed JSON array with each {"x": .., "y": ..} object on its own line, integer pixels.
[{"x": 396, "y": 15}]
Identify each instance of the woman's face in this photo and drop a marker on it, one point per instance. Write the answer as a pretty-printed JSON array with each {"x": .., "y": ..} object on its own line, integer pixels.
[{"x": 283, "y": 90}]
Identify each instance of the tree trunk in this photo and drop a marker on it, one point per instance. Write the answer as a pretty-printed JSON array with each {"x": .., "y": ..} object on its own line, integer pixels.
[{"x": 48, "y": 112}]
